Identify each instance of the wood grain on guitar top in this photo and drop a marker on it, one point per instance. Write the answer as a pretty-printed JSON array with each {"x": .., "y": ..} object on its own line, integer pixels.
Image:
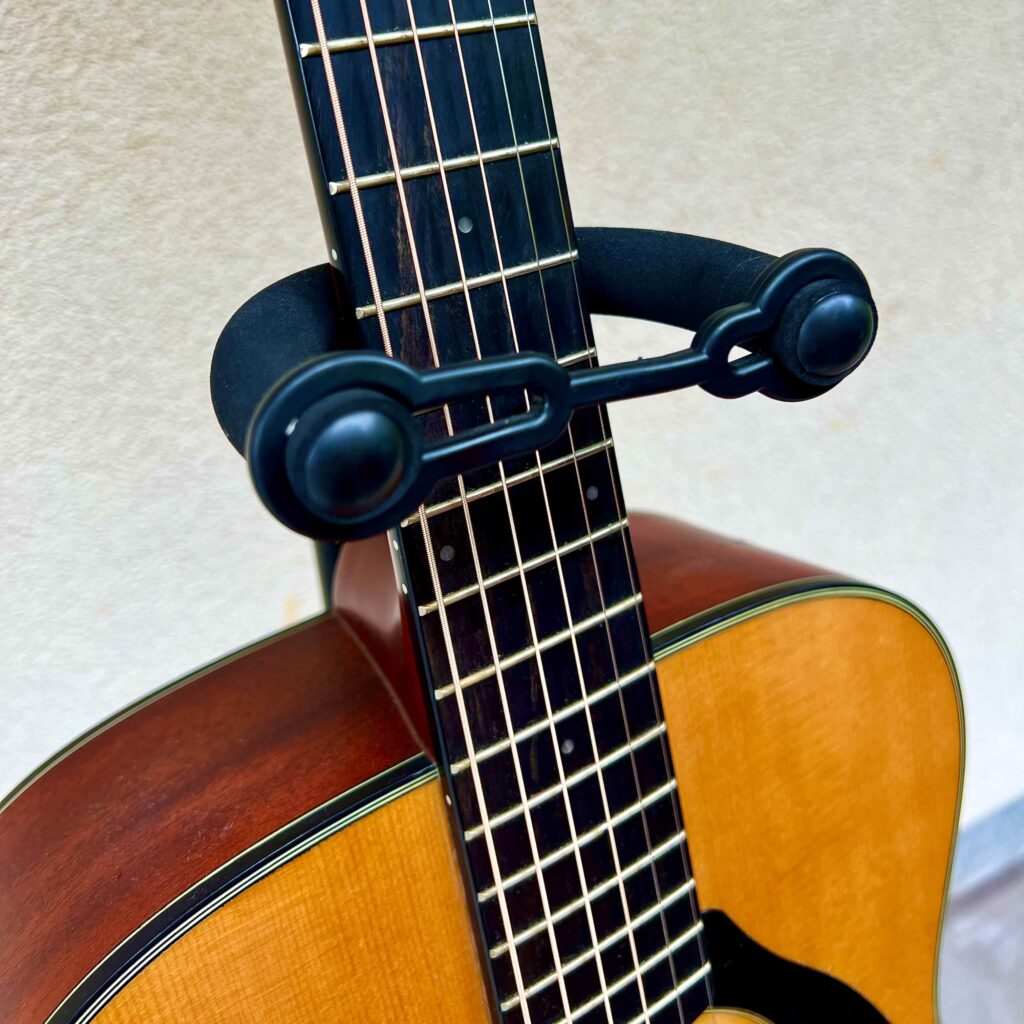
[
  {"x": 369, "y": 926},
  {"x": 818, "y": 749}
]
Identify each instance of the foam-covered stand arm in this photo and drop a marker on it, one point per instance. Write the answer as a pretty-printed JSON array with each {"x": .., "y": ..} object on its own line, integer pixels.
[
  {"x": 661, "y": 276},
  {"x": 285, "y": 324},
  {"x": 664, "y": 276}
]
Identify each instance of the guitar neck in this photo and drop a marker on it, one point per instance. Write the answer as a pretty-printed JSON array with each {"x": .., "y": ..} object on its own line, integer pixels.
[{"x": 438, "y": 170}]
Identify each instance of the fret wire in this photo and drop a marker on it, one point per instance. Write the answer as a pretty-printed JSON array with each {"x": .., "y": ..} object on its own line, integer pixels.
[
  {"x": 516, "y": 478},
  {"x": 641, "y": 624},
  {"x": 578, "y": 776},
  {"x": 577, "y": 357},
  {"x": 654, "y": 910},
  {"x": 542, "y": 645},
  {"x": 562, "y": 913},
  {"x": 619, "y": 984},
  {"x": 643, "y": 861},
  {"x": 520, "y": 779},
  {"x": 701, "y": 974},
  {"x": 455, "y": 163},
  {"x": 547, "y": 508},
  {"x": 584, "y": 838},
  {"x": 444, "y": 291},
  {"x": 531, "y": 563},
  {"x": 461, "y": 28},
  {"x": 559, "y": 716}
]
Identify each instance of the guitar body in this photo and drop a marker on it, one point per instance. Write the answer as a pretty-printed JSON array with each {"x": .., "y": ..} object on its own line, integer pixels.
[{"x": 269, "y": 841}]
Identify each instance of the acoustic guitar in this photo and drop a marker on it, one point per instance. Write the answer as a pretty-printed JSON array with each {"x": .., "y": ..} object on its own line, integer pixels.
[{"x": 459, "y": 794}]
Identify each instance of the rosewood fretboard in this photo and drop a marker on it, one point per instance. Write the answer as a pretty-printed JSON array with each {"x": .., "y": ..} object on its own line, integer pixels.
[{"x": 438, "y": 169}]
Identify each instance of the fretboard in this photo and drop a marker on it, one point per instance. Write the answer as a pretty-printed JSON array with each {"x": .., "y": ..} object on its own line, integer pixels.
[{"x": 438, "y": 168}]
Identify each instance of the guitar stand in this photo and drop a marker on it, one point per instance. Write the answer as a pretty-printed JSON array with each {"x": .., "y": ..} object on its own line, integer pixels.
[{"x": 333, "y": 435}]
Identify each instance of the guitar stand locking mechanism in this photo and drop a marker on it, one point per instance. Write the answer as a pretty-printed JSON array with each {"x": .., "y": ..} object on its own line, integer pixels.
[{"x": 337, "y": 447}]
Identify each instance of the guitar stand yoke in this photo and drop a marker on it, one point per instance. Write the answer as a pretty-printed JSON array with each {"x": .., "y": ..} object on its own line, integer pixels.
[{"x": 334, "y": 436}]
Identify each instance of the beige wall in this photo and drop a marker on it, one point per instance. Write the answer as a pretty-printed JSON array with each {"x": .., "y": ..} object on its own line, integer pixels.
[{"x": 153, "y": 178}]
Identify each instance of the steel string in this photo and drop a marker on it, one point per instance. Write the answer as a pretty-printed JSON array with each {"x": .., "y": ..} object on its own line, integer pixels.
[
  {"x": 368, "y": 255},
  {"x": 499, "y": 675},
  {"x": 558, "y": 561},
  {"x": 634, "y": 582}
]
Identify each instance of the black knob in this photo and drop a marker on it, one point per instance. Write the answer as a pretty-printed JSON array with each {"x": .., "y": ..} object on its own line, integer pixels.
[
  {"x": 835, "y": 335},
  {"x": 344, "y": 461},
  {"x": 825, "y": 332}
]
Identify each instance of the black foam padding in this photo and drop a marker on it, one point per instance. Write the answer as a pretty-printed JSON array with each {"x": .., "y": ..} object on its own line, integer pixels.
[
  {"x": 662, "y": 276},
  {"x": 279, "y": 328},
  {"x": 651, "y": 275}
]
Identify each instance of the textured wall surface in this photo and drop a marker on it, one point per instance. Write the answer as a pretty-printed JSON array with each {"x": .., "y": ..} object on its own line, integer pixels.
[{"x": 152, "y": 178}]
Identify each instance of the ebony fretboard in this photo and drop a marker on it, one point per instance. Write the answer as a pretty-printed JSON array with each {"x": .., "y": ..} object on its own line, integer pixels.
[{"x": 439, "y": 173}]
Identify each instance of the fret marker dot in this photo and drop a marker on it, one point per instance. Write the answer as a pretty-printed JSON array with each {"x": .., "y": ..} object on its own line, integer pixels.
[
  {"x": 334, "y": 255},
  {"x": 568, "y": 746},
  {"x": 465, "y": 225},
  {"x": 447, "y": 553},
  {"x": 592, "y": 493}
]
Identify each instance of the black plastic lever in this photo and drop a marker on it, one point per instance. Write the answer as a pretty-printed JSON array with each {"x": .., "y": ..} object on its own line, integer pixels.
[
  {"x": 661, "y": 276},
  {"x": 337, "y": 449}
]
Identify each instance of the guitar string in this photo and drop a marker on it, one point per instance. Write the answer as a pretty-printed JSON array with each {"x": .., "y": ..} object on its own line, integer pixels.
[
  {"x": 424, "y": 526},
  {"x": 367, "y": 251},
  {"x": 641, "y": 624},
  {"x": 641, "y": 987},
  {"x": 495, "y": 653},
  {"x": 346, "y": 156},
  {"x": 576, "y": 462},
  {"x": 519, "y": 561},
  {"x": 531, "y": 620}
]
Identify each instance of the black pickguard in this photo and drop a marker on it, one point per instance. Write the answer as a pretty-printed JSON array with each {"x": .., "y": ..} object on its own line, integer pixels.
[{"x": 749, "y": 977}]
